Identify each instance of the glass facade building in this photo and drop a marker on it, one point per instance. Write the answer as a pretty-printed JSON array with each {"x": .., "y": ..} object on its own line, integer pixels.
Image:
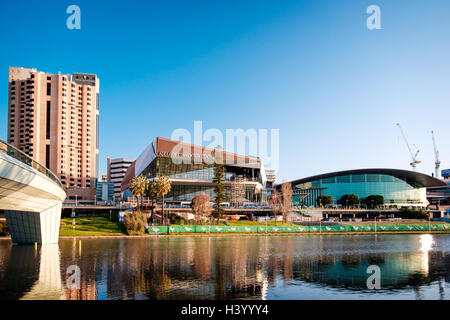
[
  {"x": 105, "y": 191},
  {"x": 191, "y": 171},
  {"x": 398, "y": 187}
]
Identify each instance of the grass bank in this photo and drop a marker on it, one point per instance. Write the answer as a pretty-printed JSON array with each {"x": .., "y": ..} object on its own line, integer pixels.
[{"x": 90, "y": 226}]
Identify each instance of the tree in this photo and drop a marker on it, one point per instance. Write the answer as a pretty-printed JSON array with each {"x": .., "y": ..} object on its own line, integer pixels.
[
  {"x": 349, "y": 200},
  {"x": 237, "y": 191},
  {"x": 201, "y": 207},
  {"x": 275, "y": 203},
  {"x": 286, "y": 203},
  {"x": 138, "y": 187},
  {"x": 152, "y": 193},
  {"x": 374, "y": 201},
  {"x": 219, "y": 187},
  {"x": 163, "y": 187},
  {"x": 324, "y": 200}
]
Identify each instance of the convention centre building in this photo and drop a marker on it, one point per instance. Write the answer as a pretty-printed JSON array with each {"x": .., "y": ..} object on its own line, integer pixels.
[
  {"x": 398, "y": 187},
  {"x": 190, "y": 169}
]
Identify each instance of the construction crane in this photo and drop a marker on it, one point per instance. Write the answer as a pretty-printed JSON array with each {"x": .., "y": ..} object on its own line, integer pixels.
[
  {"x": 437, "y": 163},
  {"x": 414, "y": 161}
]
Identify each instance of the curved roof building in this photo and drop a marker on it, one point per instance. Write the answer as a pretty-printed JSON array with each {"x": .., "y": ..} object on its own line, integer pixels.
[{"x": 398, "y": 187}]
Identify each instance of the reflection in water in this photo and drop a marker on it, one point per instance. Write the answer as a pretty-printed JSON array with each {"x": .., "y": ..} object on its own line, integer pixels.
[
  {"x": 33, "y": 274},
  {"x": 48, "y": 284},
  {"x": 266, "y": 267},
  {"x": 426, "y": 242}
]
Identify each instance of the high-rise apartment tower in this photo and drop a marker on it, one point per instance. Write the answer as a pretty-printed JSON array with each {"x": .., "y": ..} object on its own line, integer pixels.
[{"x": 54, "y": 119}]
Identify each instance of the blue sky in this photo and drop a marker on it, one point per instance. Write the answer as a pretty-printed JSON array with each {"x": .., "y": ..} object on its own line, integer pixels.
[{"x": 309, "y": 68}]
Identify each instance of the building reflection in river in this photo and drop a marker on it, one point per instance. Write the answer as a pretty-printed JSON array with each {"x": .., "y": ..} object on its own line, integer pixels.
[{"x": 224, "y": 267}]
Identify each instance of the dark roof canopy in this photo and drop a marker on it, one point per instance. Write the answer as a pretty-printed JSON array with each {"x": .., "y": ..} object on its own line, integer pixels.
[{"x": 421, "y": 180}]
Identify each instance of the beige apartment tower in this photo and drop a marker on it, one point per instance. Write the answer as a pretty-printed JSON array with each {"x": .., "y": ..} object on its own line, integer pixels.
[{"x": 54, "y": 119}]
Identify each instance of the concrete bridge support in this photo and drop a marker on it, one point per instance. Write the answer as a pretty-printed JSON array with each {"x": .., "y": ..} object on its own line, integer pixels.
[{"x": 30, "y": 227}]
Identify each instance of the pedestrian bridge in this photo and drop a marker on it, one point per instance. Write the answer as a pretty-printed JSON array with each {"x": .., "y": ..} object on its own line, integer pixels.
[{"x": 31, "y": 197}]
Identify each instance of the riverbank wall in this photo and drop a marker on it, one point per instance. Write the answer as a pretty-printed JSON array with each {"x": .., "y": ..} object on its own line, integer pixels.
[{"x": 298, "y": 229}]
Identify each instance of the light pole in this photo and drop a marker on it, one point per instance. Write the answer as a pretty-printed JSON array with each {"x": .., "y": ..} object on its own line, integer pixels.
[
  {"x": 429, "y": 221},
  {"x": 375, "y": 224},
  {"x": 267, "y": 218}
]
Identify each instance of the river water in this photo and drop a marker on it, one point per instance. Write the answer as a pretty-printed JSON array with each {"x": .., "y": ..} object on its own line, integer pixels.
[{"x": 409, "y": 266}]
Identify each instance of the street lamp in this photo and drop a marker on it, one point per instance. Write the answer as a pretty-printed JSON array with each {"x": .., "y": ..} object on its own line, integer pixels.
[{"x": 429, "y": 221}]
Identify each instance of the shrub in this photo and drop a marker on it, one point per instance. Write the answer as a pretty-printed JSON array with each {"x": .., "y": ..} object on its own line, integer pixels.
[
  {"x": 176, "y": 219},
  {"x": 135, "y": 222},
  {"x": 3, "y": 229},
  {"x": 412, "y": 213},
  {"x": 324, "y": 200},
  {"x": 374, "y": 200},
  {"x": 349, "y": 199}
]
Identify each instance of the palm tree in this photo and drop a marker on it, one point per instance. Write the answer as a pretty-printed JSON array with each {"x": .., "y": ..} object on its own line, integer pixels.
[
  {"x": 138, "y": 186},
  {"x": 152, "y": 193},
  {"x": 163, "y": 186}
]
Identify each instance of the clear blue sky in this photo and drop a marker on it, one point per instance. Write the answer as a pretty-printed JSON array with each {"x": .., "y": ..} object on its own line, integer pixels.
[{"x": 309, "y": 68}]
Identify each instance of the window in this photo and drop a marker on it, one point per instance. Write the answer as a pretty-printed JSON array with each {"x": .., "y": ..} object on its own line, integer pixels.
[
  {"x": 373, "y": 178},
  {"x": 47, "y": 156},
  {"x": 49, "y": 88},
  {"x": 343, "y": 179},
  {"x": 48, "y": 120},
  {"x": 329, "y": 180}
]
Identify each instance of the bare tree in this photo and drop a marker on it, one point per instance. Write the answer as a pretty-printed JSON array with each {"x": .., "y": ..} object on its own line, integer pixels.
[
  {"x": 200, "y": 207},
  {"x": 286, "y": 202},
  {"x": 275, "y": 202},
  {"x": 237, "y": 192}
]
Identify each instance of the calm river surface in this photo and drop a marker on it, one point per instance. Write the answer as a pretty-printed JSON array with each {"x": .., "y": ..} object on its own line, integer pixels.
[{"x": 243, "y": 267}]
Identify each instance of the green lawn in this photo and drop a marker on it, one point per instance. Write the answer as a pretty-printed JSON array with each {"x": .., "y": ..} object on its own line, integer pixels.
[{"x": 90, "y": 226}]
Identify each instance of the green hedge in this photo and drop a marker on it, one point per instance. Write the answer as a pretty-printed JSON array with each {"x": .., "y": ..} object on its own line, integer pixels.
[{"x": 295, "y": 229}]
